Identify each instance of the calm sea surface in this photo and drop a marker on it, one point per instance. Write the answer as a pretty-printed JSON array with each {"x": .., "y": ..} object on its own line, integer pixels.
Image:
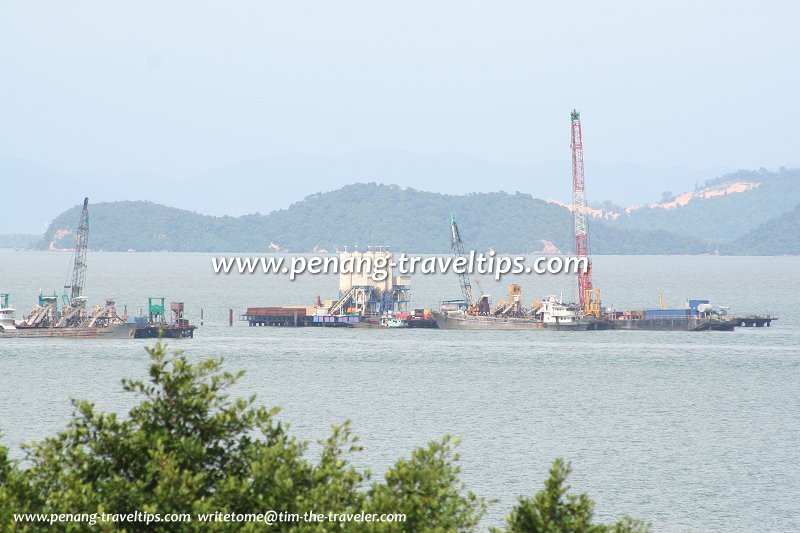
[{"x": 692, "y": 431}]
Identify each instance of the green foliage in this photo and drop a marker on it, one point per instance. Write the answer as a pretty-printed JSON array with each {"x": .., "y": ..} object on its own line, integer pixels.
[
  {"x": 554, "y": 510},
  {"x": 426, "y": 488},
  {"x": 188, "y": 448},
  {"x": 14, "y": 493}
]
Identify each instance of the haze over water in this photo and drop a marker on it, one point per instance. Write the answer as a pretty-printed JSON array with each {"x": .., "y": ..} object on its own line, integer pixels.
[{"x": 692, "y": 431}]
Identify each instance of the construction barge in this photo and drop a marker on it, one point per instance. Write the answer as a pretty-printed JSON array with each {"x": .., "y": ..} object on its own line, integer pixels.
[
  {"x": 552, "y": 314},
  {"x": 367, "y": 299},
  {"x": 587, "y": 314},
  {"x": 468, "y": 313},
  {"x": 319, "y": 317},
  {"x": 364, "y": 303},
  {"x": 74, "y": 320},
  {"x": 549, "y": 314},
  {"x": 102, "y": 322},
  {"x": 293, "y": 317}
]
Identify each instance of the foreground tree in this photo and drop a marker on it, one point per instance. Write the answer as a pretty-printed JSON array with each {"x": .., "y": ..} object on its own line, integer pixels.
[
  {"x": 554, "y": 510},
  {"x": 188, "y": 448}
]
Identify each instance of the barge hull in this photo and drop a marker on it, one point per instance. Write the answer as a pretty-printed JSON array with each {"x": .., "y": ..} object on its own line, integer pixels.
[
  {"x": 166, "y": 332},
  {"x": 676, "y": 324},
  {"x": 117, "y": 331},
  {"x": 493, "y": 323}
]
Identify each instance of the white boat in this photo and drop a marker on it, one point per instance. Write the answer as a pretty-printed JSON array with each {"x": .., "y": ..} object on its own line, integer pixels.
[
  {"x": 7, "y": 322},
  {"x": 553, "y": 312}
]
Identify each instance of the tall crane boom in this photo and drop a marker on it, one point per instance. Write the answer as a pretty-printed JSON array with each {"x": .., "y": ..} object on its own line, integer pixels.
[
  {"x": 458, "y": 249},
  {"x": 579, "y": 213},
  {"x": 79, "y": 261}
]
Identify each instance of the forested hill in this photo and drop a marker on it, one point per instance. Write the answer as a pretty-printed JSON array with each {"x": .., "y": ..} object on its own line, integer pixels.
[
  {"x": 740, "y": 213},
  {"x": 725, "y": 208},
  {"x": 780, "y": 235},
  {"x": 361, "y": 214}
]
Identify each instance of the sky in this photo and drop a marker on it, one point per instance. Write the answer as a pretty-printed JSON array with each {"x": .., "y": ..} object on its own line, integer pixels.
[{"x": 175, "y": 88}]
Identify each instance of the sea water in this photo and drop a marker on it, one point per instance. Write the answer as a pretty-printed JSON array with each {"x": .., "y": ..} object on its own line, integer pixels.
[{"x": 691, "y": 431}]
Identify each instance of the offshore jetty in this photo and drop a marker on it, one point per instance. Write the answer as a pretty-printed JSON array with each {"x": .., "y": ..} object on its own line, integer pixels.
[
  {"x": 587, "y": 313},
  {"x": 73, "y": 319},
  {"x": 363, "y": 302},
  {"x": 368, "y": 301}
]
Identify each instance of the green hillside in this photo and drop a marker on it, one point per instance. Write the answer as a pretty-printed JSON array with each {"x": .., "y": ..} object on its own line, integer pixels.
[
  {"x": 779, "y": 235},
  {"x": 362, "y": 214},
  {"x": 726, "y": 217},
  {"x": 750, "y": 222}
]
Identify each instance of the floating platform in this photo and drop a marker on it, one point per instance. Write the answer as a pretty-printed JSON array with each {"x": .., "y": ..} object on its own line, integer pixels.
[
  {"x": 450, "y": 320},
  {"x": 754, "y": 321},
  {"x": 297, "y": 317},
  {"x": 294, "y": 317},
  {"x": 388, "y": 322},
  {"x": 673, "y": 324},
  {"x": 422, "y": 323},
  {"x": 115, "y": 331},
  {"x": 102, "y": 323},
  {"x": 152, "y": 331}
]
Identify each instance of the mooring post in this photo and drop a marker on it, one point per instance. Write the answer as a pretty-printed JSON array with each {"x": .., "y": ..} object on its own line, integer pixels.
[{"x": 230, "y": 317}]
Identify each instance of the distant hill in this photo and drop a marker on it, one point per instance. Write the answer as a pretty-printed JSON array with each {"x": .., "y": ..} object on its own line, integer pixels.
[
  {"x": 34, "y": 193},
  {"x": 361, "y": 214},
  {"x": 779, "y": 235},
  {"x": 736, "y": 213},
  {"x": 725, "y": 208},
  {"x": 19, "y": 241}
]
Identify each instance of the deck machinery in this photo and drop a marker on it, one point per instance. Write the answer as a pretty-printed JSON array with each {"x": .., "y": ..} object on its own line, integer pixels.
[
  {"x": 370, "y": 291},
  {"x": 75, "y": 319},
  {"x": 157, "y": 325}
]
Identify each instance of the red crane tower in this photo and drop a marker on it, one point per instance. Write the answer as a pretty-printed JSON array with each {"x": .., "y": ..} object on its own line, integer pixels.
[{"x": 589, "y": 297}]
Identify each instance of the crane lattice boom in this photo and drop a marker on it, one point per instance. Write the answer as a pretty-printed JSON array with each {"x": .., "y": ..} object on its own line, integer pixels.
[
  {"x": 579, "y": 211},
  {"x": 458, "y": 249},
  {"x": 79, "y": 261}
]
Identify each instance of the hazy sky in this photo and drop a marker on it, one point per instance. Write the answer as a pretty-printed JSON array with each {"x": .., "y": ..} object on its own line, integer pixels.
[{"x": 180, "y": 86}]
